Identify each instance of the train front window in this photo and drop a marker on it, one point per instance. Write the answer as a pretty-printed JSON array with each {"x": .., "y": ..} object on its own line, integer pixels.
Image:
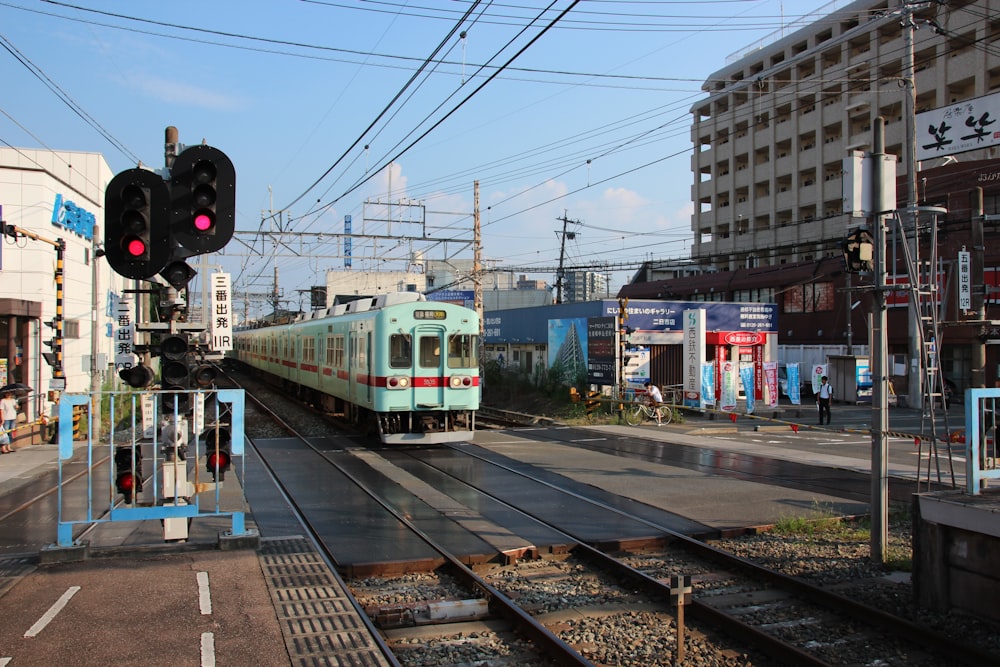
[
  {"x": 430, "y": 352},
  {"x": 400, "y": 351},
  {"x": 462, "y": 351}
]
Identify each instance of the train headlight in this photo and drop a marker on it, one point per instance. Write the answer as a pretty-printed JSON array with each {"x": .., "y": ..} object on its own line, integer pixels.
[
  {"x": 397, "y": 382},
  {"x": 460, "y": 382}
]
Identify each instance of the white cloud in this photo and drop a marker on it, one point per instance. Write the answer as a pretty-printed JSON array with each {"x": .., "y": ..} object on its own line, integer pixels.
[{"x": 184, "y": 94}]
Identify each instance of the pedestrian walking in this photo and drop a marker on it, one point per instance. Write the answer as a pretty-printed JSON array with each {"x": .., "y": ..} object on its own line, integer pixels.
[{"x": 823, "y": 398}]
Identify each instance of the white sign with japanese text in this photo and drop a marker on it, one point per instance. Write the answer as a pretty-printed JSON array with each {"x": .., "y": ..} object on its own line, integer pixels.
[
  {"x": 221, "y": 322},
  {"x": 959, "y": 127},
  {"x": 124, "y": 335},
  {"x": 965, "y": 280}
]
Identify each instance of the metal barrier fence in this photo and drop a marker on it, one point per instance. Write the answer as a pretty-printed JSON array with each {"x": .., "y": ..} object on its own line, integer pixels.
[
  {"x": 981, "y": 438},
  {"x": 176, "y": 432}
]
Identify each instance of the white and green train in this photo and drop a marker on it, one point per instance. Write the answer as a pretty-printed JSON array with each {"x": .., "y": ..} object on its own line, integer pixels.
[{"x": 396, "y": 365}]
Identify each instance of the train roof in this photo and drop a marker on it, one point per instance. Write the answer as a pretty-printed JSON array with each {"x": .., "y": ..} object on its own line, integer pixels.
[{"x": 361, "y": 305}]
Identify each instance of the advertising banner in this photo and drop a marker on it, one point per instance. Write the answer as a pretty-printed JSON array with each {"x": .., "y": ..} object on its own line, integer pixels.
[
  {"x": 707, "y": 385},
  {"x": 747, "y": 375},
  {"x": 818, "y": 371},
  {"x": 771, "y": 381},
  {"x": 728, "y": 378},
  {"x": 694, "y": 355},
  {"x": 792, "y": 386},
  {"x": 602, "y": 343}
]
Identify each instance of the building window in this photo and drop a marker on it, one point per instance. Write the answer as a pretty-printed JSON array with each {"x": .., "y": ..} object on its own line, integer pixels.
[{"x": 810, "y": 298}]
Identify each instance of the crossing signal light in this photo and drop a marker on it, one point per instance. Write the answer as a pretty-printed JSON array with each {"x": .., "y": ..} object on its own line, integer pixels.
[
  {"x": 204, "y": 375},
  {"x": 203, "y": 199},
  {"x": 51, "y": 358},
  {"x": 174, "y": 373},
  {"x": 218, "y": 451},
  {"x": 128, "y": 472},
  {"x": 859, "y": 248},
  {"x": 139, "y": 376},
  {"x": 136, "y": 223},
  {"x": 178, "y": 274}
]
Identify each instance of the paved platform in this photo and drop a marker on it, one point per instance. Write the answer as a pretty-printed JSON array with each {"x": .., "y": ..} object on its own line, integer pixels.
[{"x": 143, "y": 602}]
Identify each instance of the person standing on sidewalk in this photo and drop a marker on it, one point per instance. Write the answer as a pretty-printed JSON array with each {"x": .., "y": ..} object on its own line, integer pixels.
[
  {"x": 823, "y": 398},
  {"x": 8, "y": 413}
]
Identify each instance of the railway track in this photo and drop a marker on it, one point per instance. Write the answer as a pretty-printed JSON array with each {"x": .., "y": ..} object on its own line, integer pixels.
[
  {"x": 788, "y": 618},
  {"x": 587, "y": 604},
  {"x": 547, "y": 645}
]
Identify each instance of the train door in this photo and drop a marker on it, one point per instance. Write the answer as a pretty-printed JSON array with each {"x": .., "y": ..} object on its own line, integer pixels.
[
  {"x": 360, "y": 371},
  {"x": 429, "y": 375}
]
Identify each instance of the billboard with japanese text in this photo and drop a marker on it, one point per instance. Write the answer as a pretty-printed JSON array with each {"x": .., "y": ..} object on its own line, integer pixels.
[{"x": 958, "y": 127}]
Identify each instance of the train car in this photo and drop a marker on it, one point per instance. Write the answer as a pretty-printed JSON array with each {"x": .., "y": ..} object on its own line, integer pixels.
[{"x": 396, "y": 365}]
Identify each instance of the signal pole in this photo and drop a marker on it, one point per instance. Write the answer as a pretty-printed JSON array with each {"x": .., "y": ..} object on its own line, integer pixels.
[{"x": 879, "y": 500}]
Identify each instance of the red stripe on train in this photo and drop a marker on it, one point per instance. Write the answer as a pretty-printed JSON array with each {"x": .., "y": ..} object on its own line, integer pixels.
[{"x": 416, "y": 382}]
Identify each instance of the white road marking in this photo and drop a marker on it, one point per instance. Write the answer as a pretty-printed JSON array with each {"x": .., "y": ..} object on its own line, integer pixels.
[
  {"x": 207, "y": 649},
  {"x": 52, "y": 612},
  {"x": 204, "y": 594}
]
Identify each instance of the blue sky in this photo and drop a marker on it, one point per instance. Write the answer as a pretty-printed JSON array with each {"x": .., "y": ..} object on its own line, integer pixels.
[{"x": 590, "y": 121}]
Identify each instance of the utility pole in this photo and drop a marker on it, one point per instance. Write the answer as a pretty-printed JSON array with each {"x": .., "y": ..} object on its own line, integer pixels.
[
  {"x": 560, "y": 274},
  {"x": 275, "y": 294},
  {"x": 916, "y": 371},
  {"x": 976, "y": 220},
  {"x": 880, "y": 380},
  {"x": 477, "y": 257}
]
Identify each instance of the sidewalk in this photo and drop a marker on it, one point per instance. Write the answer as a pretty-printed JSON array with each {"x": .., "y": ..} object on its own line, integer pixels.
[
  {"x": 25, "y": 464},
  {"x": 843, "y": 417}
]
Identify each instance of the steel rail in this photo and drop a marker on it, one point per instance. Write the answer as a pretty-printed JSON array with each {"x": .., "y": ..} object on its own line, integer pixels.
[
  {"x": 546, "y": 641},
  {"x": 312, "y": 533},
  {"x": 953, "y": 649}
]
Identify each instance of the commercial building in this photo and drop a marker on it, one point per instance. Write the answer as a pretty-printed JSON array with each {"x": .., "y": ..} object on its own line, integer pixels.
[
  {"x": 778, "y": 120},
  {"x": 770, "y": 139},
  {"x": 55, "y": 198}
]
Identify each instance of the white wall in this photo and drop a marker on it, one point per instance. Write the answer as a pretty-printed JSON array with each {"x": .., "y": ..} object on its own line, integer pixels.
[{"x": 30, "y": 180}]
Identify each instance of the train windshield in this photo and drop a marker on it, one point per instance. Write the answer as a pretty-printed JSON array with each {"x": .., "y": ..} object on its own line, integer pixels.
[
  {"x": 462, "y": 351},
  {"x": 400, "y": 351},
  {"x": 430, "y": 352}
]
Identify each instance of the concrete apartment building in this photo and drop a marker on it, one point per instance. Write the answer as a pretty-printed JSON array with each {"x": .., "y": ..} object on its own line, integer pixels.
[
  {"x": 770, "y": 137},
  {"x": 778, "y": 121}
]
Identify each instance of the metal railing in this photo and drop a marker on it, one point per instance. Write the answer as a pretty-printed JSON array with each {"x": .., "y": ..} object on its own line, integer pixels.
[
  {"x": 981, "y": 438},
  {"x": 172, "y": 440}
]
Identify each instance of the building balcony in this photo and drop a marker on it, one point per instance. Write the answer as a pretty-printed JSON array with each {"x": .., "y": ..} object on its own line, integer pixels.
[
  {"x": 833, "y": 189},
  {"x": 785, "y": 129},
  {"x": 962, "y": 65},
  {"x": 721, "y": 183},
  {"x": 784, "y": 200}
]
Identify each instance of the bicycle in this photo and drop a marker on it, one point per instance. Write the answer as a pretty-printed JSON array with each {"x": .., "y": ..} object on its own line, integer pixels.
[{"x": 637, "y": 413}]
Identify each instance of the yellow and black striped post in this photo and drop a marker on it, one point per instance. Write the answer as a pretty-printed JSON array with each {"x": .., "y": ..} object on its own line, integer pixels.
[{"x": 57, "y": 344}]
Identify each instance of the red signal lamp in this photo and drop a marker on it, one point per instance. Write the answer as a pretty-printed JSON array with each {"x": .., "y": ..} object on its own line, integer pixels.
[
  {"x": 128, "y": 469},
  {"x": 134, "y": 246},
  {"x": 219, "y": 455},
  {"x": 203, "y": 221},
  {"x": 218, "y": 461},
  {"x": 126, "y": 484}
]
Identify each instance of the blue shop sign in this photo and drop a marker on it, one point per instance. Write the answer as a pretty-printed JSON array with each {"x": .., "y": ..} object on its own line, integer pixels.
[{"x": 70, "y": 216}]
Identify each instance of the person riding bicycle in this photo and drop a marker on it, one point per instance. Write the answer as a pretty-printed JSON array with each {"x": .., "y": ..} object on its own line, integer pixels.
[{"x": 654, "y": 398}]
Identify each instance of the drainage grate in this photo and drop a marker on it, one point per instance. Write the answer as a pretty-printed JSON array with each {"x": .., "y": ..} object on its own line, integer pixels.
[{"x": 318, "y": 621}]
